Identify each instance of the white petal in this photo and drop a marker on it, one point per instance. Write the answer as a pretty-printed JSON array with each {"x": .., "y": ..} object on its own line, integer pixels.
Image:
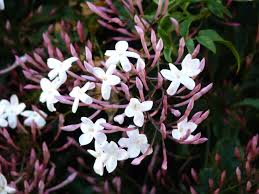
[
  {"x": 2, "y": 6},
  {"x": 129, "y": 112},
  {"x": 110, "y": 70},
  {"x": 54, "y": 63},
  {"x": 50, "y": 106},
  {"x": 144, "y": 148},
  {"x": 133, "y": 151},
  {"x": 123, "y": 142},
  {"x": 44, "y": 84},
  {"x": 98, "y": 72},
  {"x": 187, "y": 82},
  {"x": 28, "y": 121},
  {"x": 20, "y": 108},
  {"x": 27, "y": 113},
  {"x": 167, "y": 74},
  {"x": 119, "y": 118},
  {"x": 75, "y": 105},
  {"x": 111, "y": 164},
  {"x": 133, "y": 133},
  {"x": 3, "y": 182},
  {"x": 14, "y": 100},
  {"x": 3, "y": 122},
  {"x": 100, "y": 137},
  {"x": 121, "y": 46},
  {"x": 86, "y": 99},
  {"x": 88, "y": 86},
  {"x": 125, "y": 63},
  {"x": 68, "y": 62},
  {"x": 122, "y": 154},
  {"x": 98, "y": 166},
  {"x": 146, "y": 105},
  {"x": 132, "y": 54},
  {"x": 113, "y": 80},
  {"x": 75, "y": 92},
  {"x": 138, "y": 119},
  {"x": 173, "y": 87},
  {"x": 10, "y": 190},
  {"x": 62, "y": 76},
  {"x": 110, "y": 53},
  {"x": 113, "y": 60},
  {"x": 106, "y": 91},
  {"x": 176, "y": 134},
  {"x": 174, "y": 69},
  {"x": 97, "y": 124},
  {"x": 52, "y": 74},
  {"x": 40, "y": 122},
  {"x": 85, "y": 138},
  {"x": 12, "y": 120}
]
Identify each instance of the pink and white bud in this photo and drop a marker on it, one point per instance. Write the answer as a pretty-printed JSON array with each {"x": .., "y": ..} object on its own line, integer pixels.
[
  {"x": 238, "y": 174},
  {"x": 194, "y": 175},
  {"x": 80, "y": 31}
]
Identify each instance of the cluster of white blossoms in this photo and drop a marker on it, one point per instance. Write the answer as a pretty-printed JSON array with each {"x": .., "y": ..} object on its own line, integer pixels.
[
  {"x": 106, "y": 78},
  {"x": 10, "y": 110},
  {"x": 4, "y": 188}
]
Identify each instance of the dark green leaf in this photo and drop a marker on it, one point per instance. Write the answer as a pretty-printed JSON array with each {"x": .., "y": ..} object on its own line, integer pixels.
[{"x": 207, "y": 42}]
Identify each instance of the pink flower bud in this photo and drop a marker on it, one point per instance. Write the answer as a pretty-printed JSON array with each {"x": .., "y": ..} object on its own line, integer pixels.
[
  {"x": 153, "y": 39},
  {"x": 80, "y": 31},
  {"x": 194, "y": 175},
  {"x": 211, "y": 183},
  {"x": 46, "y": 154},
  {"x": 217, "y": 158},
  {"x": 237, "y": 153},
  {"x": 159, "y": 45},
  {"x": 216, "y": 191},
  {"x": 192, "y": 190},
  {"x": 238, "y": 174},
  {"x": 222, "y": 178},
  {"x": 248, "y": 186},
  {"x": 196, "y": 51},
  {"x": 176, "y": 25}
]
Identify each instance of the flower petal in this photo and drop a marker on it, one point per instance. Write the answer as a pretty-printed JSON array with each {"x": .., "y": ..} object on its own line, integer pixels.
[
  {"x": 110, "y": 53},
  {"x": 129, "y": 112},
  {"x": 187, "y": 82},
  {"x": 146, "y": 105},
  {"x": 167, "y": 74},
  {"x": 113, "y": 60},
  {"x": 14, "y": 100},
  {"x": 122, "y": 154},
  {"x": 98, "y": 72},
  {"x": 98, "y": 166},
  {"x": 176, "y": 134},
  {"x": 125, "y": 63},
  {"x": 75, "y": 105},
  {"x": 173, "y": 87},
  {"x": 111, "y": 164},
  {"x": 113, "y": 80},
  {"x": 138, "y": 119},
  {"x": 68, "y": 62},
  {"x": 123, "y": 142},
  {"x": 85, "y": 138},
  {"x": 133, "y": 151},
  {"x": 121, "y": 46},
  {"x": 54, "y": 63},
  {"x": 106, "y": 91},
  {"x": 100, "y": 137},
  {"x": 12, "y": 120},
  {"x": 132, "y": 54}
]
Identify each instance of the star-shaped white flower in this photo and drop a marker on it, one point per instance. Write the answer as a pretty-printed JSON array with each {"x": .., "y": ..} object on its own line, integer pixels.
[
  {"x": 108, "y": 80},
  {"x": 49, "y": 93},
  {"x": 3, "y": 105},
  {"x": 119, "y": 118},
  {"x": 92, "y": 131},
  {"x": 120, "y": 55},
  {"x": 100, "y": 157},
  {"x": 2, "y": 6},
  {"x": 60, "y": 68},
  {"x": 190, "y": 66},
  {"x": 177, "y": 77},
  {"x": 33, "y": 116},
  {"x": 135, "y": 143},
  {"x": 4, "y": 188},
  {"x": 182, "y": 129},
  {"x": 136, "y": 108},
  {"x": 113, "y": 154},
  {"x": 12, "y": 110},
  {"x": 79, "y": 94}
]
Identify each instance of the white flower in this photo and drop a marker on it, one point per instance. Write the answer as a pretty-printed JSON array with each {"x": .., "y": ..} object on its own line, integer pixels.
[
  {"x": 119, "y": 118},
  {"x": 33, "y": 116},
  {"x": 100, "y": 157},
  {"x": 120, "y": 54},
  {"x": 136, "y": 108},
  {"x": 60, "y": 68},
  {"x": 12, "y": 110},
  {"x": 182, "y": 129},
  {"x": 108, "y": 80},
  {"x": 92, "y": 130},
  {"x": 177, "y": 77},
  {"x": 4, "y": 188},
  {"x": 49, "y": 92},
  {"x": 191, "y": 67},
  {"x": 3, "y": 105},
  {"x": 135, "y": 143},
  {"x": 79, "y": 94},
  {"x": 113, "y": 154},
  {"x": 2, "y": 6}
]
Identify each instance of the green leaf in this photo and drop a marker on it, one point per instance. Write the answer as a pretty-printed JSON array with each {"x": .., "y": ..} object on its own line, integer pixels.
[
  {"x": 184, "y": 26},
  {"x": 167, "y": 54},
  {"x": 207, "y": 42},
  {"x": 190, "y": 45},
  {"x": 212, "y": 34},
  {"x": 252, "y": 102}
]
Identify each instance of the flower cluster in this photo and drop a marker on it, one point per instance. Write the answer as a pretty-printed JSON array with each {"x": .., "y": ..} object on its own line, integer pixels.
[
  {"x": 10, "y": 110},
  {"x": 130, "y": 93}
]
